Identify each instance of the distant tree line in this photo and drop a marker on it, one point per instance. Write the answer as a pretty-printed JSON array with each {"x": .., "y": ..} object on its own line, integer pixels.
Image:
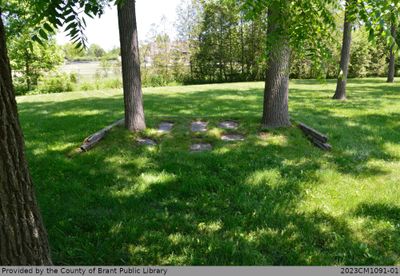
[
  {"x": 216, "y": 42},
  {"x": 92, "y": 53},
  {"x": 225, "y": 45}
]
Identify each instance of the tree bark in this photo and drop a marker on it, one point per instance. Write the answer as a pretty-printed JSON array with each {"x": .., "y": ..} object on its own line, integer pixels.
[
  {"x": 276, "y": 93},
  {"x": 23, "y": 239},
  {"x": 28, "y": 71},
  {"x": 340, "y": 93},
  {"x": 242, "y": 62},
  {"x": 230, "y": 56},
  {"x": 391, "y": 71},
  {"x": 133, "y": 98}
]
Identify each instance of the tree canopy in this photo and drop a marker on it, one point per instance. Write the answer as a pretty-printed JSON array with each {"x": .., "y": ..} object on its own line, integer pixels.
[{"x": 307, "y": 23}]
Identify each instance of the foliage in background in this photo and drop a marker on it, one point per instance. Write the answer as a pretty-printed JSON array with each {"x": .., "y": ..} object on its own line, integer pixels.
[
  {"x": 226, "y": 45},
  {"x": 216, "y": 42},
  {"x": 55, "y": 84},
  {"x": 29, "y": 60},
  {"x": 93, "y": 53},
  {"x": 32, "y": 61},
  {"x": 368, "y": 58}
]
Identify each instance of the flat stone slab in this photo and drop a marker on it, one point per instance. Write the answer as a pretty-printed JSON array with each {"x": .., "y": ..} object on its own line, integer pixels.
[
  {"x": 165, "y": 127},
  {"x": 199, "y": 126},
  {"x": 200, "y": 147},
  {"x": 146, "y": 142},
  {"x": 228, "y": 125},
  {"x": 232, "y": 137}
]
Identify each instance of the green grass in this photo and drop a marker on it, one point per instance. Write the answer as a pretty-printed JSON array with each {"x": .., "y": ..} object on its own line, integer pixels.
[{"x": 275, "y": 200}]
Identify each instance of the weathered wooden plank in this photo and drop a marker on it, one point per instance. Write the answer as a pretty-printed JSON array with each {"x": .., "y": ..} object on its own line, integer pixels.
[
  {"x": 310, "y": 131},
  {"x": 93, "y": 139},
  {"x": 319, "y": 144}
]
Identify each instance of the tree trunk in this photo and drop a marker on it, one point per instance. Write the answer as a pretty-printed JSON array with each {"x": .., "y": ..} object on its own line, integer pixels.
[
  {"x": 23, "y": 239},
  {"x": 242, "y": 46},
  {"x": 27, "y": 71},
  {"x": 230, "y": 56},
  {"x": 252, "y": 62},
  {"x": 134, "y": 114},
  {"x": 276, "y": 93},
  {"x": 221, "y": 50},
  {"x": 340, "y": 93},
  {"x": 392, "y": 64}
]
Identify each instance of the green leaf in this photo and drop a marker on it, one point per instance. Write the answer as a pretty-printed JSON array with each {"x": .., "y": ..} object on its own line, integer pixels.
[
  {"x": 371, "y": 35},
  {"x": 72, "y": 25},
  {"x": 70, "y": 18},
  {"x": 48, "y": 27},
  {"x": 37, "y": 39},
  {"x": 43, "y": 34}
]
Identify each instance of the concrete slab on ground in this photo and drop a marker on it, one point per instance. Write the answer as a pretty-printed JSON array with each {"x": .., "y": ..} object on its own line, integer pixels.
[
  {"x": 199, "y": 147},
  {"x": 165, "y": 127},
  {"x": 232, "y": 137},
  {"x": 199, "y": 126},
  {"x": 146, "y": 142},
  {"x": 228, "y": 124}
]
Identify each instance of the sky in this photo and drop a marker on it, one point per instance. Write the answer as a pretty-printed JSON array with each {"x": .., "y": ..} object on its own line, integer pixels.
[{"x": 104, "y": 30}]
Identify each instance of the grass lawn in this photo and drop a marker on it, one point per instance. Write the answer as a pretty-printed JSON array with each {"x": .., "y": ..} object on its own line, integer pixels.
[{"x": 275, "y": 200}]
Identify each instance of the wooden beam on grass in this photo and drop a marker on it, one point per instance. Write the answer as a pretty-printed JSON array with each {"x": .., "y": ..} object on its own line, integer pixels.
[
  {"x": 95, "y": 138},
  {"x": 318, "y": 139}
]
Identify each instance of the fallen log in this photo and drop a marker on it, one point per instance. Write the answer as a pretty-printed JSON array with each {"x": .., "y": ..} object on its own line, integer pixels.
[
  {"x": 312, "y": 132},
  {"x": 93, "y": 139}
]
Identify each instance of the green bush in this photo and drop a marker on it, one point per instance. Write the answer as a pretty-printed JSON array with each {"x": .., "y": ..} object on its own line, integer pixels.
[
  {"x": 73, "y": 77},
  {"x": 113, "y": 84},
  {"x": 20, "y": 86},
  {"x": 86, "y": 86},
  {"x": 154, "y": 80},
  {"x": 54, "y": 84}
]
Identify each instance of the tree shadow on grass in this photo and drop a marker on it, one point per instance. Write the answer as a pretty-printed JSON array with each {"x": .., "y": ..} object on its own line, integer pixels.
[
  {"x": 388, "y": 217},
  {"x": 379, "y": 212},
  {"x": 218, "y": 215},
  {"x": 236, "y": 205},
  {"x": 357, "y": 140},
  {"x": 350, "y": 81},
  {"x": 192, "y": 209}
]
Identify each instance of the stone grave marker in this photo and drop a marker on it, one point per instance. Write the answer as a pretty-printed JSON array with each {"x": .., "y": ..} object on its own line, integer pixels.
[
  {"x": 146, "y": 142},
  {"x": 199, "y": 147},
  {"x": 165, "y": 127},
  {"x": 199, "y": 126},
  {"x": 228, "y": 125},
  {"x": 232, "y": 137}
]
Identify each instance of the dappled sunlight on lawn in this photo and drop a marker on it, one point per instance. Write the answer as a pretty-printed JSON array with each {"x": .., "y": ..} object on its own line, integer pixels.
[{"x": 272, "y": 199}]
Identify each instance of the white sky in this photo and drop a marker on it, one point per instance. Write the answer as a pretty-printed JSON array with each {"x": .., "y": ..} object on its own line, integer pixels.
[{"x": 104, "y": 31}]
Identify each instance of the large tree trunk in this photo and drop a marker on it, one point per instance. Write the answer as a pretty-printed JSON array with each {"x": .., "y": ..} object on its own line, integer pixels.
[
  {"x": 392, "y": 64},
  {"x": 23, "y": 239},
  {"x": 134, "y": 114},
  {"x": 340, "y": 93},
  {"x": 276, "y": 111}
]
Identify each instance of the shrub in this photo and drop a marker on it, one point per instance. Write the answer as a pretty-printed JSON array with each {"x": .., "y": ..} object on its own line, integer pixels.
[
  {"x": 20, "y": 86},
  {"x": 73, "y": 77},
  {"x": 154, "y": 81},
  {"x": 113, "y": 83},
  {"x": 54, "y": 84},
  {"x": 86, "y": 86}
]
